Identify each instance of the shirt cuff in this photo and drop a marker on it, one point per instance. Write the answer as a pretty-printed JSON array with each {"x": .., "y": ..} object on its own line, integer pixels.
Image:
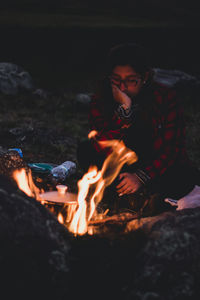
[
  {"x": 142, "y": 176},
  {"x": 124, "y": 112}
]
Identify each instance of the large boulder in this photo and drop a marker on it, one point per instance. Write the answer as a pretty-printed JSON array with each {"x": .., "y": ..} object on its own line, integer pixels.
[
  {"x": 34, "y": 249},
  {"x": 14, "y": 78},
  {"x": 173, "y": 78},
  {"x": 168, "y": 265}
]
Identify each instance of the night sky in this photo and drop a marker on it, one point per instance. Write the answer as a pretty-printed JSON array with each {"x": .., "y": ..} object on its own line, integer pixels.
[{"x": 58, "y": 38}]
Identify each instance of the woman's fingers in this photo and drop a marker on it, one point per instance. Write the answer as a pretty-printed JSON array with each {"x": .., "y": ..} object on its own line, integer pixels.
[
  {"x": 123, "y": 180},
  {"x": 129, "y": 184},
  {"x": 122, "y": 175},
  {"x": 125, "y": 188},
  {"x": 120, "y": 96},
  {"x": 127, "y": 192},
  {"x": 131, "y": 191}
]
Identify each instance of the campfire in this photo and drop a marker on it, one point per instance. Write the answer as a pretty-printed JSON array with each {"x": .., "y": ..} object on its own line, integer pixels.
[{"x": 80, "y": 213}]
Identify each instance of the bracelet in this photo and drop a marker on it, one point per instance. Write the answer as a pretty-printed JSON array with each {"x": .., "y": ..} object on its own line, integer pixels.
[
  {"x": 126, "y": 108},
  {"x": 124, "y": 111},
  {"x": 142, "y": 176}
]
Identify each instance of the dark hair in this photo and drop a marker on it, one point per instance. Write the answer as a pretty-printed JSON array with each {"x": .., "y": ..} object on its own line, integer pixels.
[{"x": 129, "y": 54}]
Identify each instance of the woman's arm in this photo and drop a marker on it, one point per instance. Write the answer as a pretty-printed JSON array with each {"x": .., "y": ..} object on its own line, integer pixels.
[
  {"x": 170, "y": 145},
  {"x": 109, "y": 126}
]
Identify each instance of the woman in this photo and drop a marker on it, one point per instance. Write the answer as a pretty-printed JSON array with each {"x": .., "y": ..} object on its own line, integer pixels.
[{"x": 148, "y": 117}]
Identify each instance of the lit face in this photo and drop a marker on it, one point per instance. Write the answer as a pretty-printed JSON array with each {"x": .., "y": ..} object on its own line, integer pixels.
[{"x": 127, "y": 80}]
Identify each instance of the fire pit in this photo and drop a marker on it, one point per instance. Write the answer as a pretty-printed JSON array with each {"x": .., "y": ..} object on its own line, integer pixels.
[{"x": 79, "y": 212}]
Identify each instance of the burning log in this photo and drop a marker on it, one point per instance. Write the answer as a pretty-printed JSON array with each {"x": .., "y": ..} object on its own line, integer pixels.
[{"x": 118, "y": 218}]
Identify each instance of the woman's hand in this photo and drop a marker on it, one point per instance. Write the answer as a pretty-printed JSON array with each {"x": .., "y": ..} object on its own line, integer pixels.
[
  {"x": 121, "y": 97},
  {"x": 129, "y": 184}
]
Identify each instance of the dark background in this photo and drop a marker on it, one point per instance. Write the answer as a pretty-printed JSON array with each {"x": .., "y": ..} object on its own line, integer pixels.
[{"x": 61, "y": 42}]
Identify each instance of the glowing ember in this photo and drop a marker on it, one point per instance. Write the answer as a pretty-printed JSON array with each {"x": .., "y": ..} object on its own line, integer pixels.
[
  {"x": 25, "y": 183},
  {"x": 60, "y": 218},
  {"x": 92, "y": 134}
]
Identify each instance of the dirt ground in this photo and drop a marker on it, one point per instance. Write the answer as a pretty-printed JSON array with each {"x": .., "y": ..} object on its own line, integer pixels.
[{"x": 46, "y": 130}]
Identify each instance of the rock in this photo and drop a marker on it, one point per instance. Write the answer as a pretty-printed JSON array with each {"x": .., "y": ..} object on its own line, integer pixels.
[
  {"x": 21, "y": 133},
  {"x": 168, "y": 266},
  {"x": 172, "y": 78},
  {"x": 10, "y": 161},
  {"x": 41, "y": 93},
  {"x": 158, "y": 259},
  {"x": 83, "y": 98},
  {"x": 33, "y": 256},
  {"x": 13, "y": 78},
  {"x": 82, "y": 101}
]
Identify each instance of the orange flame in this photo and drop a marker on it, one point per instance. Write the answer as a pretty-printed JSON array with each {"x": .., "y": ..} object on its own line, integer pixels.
[
  {"x": 92, "y": 134},
  {"x": 78, "y": 216},
  {"x": 79, "y": 222},
  {"x": 25, "y": 183},
  {"x": 111, "y": 168},
  {"x": 60, "y": 218}
]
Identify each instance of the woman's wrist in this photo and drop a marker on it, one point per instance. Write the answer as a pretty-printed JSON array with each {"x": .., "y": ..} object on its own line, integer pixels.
[
  {"x": 126, "y": 106},
  {"x": 142, "y": 176},
  {"x": 127, "y": 102}
]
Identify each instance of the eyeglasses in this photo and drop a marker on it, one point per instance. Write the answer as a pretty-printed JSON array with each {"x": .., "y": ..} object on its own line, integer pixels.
[{"x": 128, "y": 82}]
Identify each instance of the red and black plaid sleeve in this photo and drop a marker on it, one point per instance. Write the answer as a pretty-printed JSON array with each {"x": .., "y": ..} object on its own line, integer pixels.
[
  {"x": 168, "y": 131},
  {"x": 109, "y": 127},
  {"x": 169, "y": 136}
]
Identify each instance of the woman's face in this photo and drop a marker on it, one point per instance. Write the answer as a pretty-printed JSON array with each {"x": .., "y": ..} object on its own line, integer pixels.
[{"x": 127, "y": 80}]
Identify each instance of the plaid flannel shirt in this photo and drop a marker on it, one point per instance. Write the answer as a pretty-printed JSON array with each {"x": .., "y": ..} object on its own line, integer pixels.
[{"x": 168, "y": 130}]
